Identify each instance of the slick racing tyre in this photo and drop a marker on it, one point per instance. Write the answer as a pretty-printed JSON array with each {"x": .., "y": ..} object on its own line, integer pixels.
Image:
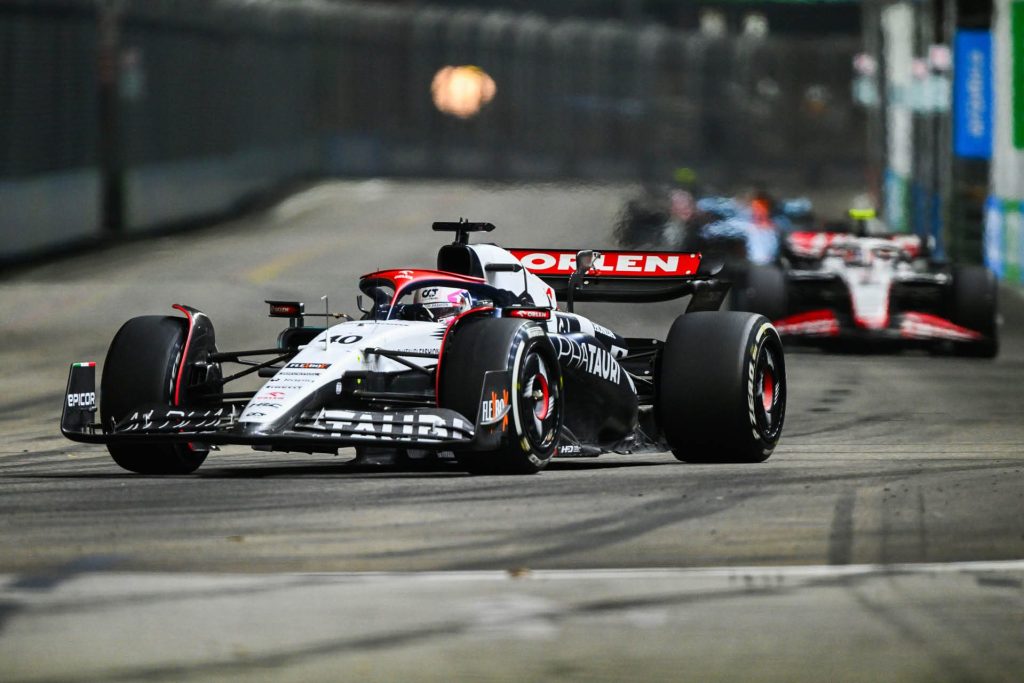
[
  {"x": 142, "y": 368},
  {"x": 721, "y": 392},
  {"x": 763, "y": 291},
  {"x": 475, "y": 346},
  {"x": 974, "y": 305}
]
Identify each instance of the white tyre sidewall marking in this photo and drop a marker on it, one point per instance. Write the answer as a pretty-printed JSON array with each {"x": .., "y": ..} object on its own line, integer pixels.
[
  {"x": 751, "y": 376},
  {"x": 520, "y": 432}
]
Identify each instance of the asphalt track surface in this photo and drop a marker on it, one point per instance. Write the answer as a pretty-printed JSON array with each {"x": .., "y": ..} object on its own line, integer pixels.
[{"x": 884, "y": 540}]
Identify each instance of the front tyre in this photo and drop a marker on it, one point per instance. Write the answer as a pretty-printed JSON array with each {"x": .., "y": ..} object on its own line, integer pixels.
[
  {"x": 536, "y": 404},
  {"x": 975, "y": 305},
  {"x": 721, "y": 394},
  {"x": 763, "y": 291},
  {"x": 141, "y": 368}
]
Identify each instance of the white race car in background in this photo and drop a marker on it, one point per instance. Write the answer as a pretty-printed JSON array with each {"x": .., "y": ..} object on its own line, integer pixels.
[{"x": 861, "y": 289}]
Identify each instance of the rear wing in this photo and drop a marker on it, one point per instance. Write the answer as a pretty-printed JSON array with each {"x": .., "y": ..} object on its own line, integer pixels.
[
  {"x": 814, "y": 245},
  {"x": 629, "y": 276}
]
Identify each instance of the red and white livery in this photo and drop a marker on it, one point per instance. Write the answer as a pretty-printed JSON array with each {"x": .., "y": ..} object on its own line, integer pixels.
[{"x": 839, "y": 288}]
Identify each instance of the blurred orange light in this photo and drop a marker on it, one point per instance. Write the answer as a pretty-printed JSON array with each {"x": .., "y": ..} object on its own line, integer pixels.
[{"x": 462, "y": 90}]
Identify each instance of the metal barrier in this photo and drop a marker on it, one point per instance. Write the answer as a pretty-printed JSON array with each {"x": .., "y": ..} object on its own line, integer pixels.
[{"x": 215, "y": 100}]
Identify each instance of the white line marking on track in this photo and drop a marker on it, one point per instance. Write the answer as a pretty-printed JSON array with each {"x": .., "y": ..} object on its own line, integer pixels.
[{"x": 805, "y": 571}]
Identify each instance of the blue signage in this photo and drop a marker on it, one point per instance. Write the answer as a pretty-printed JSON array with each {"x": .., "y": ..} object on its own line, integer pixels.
[{"x": 972, "y": 94}]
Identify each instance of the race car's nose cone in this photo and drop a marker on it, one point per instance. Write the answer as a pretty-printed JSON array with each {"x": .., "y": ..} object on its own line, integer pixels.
[{"x": 320, "y": 365}]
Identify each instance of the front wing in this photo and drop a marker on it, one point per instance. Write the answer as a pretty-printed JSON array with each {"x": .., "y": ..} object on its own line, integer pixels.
[
  {"x": 826, "y": 314},
  {"x": 311, "y": 430},
  {"x": 824, "y": 325}
]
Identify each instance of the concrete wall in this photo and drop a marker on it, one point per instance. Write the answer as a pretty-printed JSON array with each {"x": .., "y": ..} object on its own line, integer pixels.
[
  {"x": 162, "y": 193},
  {"x": 41, "y": 211}
]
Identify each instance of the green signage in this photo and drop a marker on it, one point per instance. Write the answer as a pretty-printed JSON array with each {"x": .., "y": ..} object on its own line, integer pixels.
[
  {"x": 1017, "y": 52},
  {"x": 1013, "y": 241}
]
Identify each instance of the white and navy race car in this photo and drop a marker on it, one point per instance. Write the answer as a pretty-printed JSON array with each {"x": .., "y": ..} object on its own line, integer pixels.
[
  {"x": 866, "y": 289},
  {"x": 474, "y": 359}
]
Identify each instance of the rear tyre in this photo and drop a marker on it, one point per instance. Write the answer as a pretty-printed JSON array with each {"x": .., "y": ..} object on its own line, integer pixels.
[
  {"x": 763, "y": 291},
  {"x": 721, "y": 394},
  {"x": 479, "y": 345},
  {"x": 975, "y": 306},
  {"x": 142, "y": 368}
]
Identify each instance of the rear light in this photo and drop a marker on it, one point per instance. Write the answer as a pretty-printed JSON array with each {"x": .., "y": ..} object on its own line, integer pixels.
[{"x": 529, "y": 313}]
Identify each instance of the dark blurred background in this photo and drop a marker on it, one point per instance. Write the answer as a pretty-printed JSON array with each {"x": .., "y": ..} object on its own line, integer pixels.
[{"x": 121, "y": 116}]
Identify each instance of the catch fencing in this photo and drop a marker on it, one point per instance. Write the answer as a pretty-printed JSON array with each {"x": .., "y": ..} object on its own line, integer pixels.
[{"x": 122, "y": 116}]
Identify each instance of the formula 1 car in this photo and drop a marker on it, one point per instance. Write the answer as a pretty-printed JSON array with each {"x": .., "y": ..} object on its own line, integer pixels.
[
  {"x": 861, "y": 289},
  {"x": 729, "y": 229},
  {"x": 474, "y": 359}
]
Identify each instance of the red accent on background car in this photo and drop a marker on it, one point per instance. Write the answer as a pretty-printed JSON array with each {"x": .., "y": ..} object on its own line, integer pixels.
[
  {"x": 910, "y": 244},
  {"x": 616, "y": 263},
  {"x": 815, "y": 244},
  {"x": 812, "y": 244},
  {"x": 926, "y": 326},
  {"x": 440, "y": 350},
  {"x": 818, "y": 323}
]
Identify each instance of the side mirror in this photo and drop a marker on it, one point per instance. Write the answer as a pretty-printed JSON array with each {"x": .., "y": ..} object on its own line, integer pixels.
[
  {"x": 585, "y": 260},
  {"x": 359, "y": 304}
]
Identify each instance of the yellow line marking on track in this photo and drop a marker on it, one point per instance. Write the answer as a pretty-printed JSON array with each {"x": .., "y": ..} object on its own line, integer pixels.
[{"x": 274, "y": 267}]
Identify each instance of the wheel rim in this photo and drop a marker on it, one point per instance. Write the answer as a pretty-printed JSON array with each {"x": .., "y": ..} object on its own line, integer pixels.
[
  {"x": 538, "y": 398},
  {"x": 767, "y": 390},
  {"x": 770, "y": 401}
]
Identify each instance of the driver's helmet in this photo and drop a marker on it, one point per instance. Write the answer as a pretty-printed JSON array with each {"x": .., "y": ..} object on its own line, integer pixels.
[{"x": 443, "y": 303}]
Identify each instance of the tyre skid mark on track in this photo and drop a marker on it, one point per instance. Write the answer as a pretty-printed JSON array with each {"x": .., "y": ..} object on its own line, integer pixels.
[
  {"x": 21, "y": 405},
  {"x": 395, "y": 640},
  {"x": 922, "y": 528},
  {"x": 874, "y": 419},
  {"x": 774, "y": 477},
  {"x": 260, "y": 586},
  {"x": 884, "y": 532},
  {"x": 840, "y": 542},
  {"x": 259, "y": 664},
  {"x": 590, "y": 535},
  {"x": 604, "y": 531},
  {"x": 948, "y": 663},
  {"x": 751, "y": 582}
]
